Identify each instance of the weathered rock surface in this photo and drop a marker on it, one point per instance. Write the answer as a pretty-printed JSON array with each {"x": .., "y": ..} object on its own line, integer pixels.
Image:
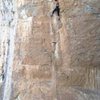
[{"x": 57, "y": 64}]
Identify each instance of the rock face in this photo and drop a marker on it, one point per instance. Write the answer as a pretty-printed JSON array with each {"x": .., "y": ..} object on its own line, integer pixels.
[{"x": 57, "y": 60}]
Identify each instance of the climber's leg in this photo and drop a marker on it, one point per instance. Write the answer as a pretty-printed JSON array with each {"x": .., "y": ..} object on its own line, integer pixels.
[
  {"x": 53, "y": 12},
  {"x": 58, "y": 11}
]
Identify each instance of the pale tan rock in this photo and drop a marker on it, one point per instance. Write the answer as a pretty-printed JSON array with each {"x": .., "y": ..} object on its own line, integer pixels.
[{"x": 76, "y": 73}]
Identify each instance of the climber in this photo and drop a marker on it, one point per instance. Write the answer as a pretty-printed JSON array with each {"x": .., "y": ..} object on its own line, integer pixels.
[{"x": 56, "y": 9}]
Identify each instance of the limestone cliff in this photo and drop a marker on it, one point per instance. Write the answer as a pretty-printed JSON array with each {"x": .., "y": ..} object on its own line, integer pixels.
[{"x": 56, "y": 59}]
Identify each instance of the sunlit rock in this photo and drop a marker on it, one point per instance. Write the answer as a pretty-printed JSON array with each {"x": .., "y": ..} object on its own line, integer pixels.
[{"x": 55, "y": 59}]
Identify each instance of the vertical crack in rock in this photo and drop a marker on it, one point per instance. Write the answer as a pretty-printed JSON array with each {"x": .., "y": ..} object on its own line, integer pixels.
[{"x": 55, "y": 39}]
